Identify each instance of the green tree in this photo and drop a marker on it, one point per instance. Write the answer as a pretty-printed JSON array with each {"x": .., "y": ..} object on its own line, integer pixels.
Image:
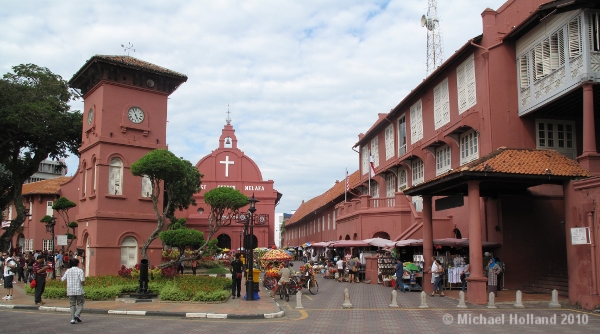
[
  {"x": 224, "y": 208},
  {"x": 181, "y": 181},
  {"x": 62, "y": 206},
  {"x": 182, "y": 238},
  {"x": 37, "y": 124}
]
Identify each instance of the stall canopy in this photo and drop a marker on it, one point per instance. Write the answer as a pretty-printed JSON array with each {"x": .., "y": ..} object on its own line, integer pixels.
[
  {"x": 451, "y": 242},
  {"x": 377, "y": 242},
  {"x": 350, "y": 243},
  {"x": 323, "y": 244}
]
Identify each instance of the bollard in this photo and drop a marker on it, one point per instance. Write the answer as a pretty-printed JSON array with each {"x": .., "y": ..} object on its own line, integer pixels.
[
  {"x": 424, "y": 300},
  {"x": 554, "y": 302},
  {"x": 461, "y": 300},
  {"x": 519, "y": 302},
  {"x": 143, "y": 276},
  {"x": 346, "y": 303},
  {"x": 491, "y": 302},
  {"x": 299, "y": 299},
  {"x": 394, "y": 302}
]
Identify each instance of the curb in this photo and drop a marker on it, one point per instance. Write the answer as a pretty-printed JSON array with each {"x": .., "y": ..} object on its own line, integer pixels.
[{"x": 279, "y": 314}]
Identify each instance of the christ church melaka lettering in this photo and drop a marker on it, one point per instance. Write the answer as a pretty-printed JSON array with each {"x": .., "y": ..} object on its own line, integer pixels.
[{"x": 255, "y": 188}]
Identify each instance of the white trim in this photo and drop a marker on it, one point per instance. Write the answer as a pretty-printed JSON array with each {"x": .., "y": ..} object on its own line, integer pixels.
[
  {"x": 441, "y": 104},
  {"x": 418, "y": 172},
  {"x": 416, "y": 122},
  {"x": 469, "y": 146},
  {"x": 443, "y": 160}
]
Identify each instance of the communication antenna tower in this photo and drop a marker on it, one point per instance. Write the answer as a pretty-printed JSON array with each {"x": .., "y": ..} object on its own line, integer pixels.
[{"x": 435, "y": 52}]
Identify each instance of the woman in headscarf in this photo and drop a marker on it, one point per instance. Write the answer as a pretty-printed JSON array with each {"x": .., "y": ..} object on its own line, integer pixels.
[{"x": 493, "y": 271}]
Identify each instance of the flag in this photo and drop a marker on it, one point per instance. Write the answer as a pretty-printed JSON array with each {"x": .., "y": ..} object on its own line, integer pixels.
[
  {"x": 372, "y": 163},
  {"x": 347, "y": 181}
]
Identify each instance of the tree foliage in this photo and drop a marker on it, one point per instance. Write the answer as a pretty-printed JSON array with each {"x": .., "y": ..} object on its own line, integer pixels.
[
  {"x": 182, "y": 238},
  {"x": 62, "y": 206},
  {"x": 37, "y": 124},
  {"x": 181, "y": 181}
]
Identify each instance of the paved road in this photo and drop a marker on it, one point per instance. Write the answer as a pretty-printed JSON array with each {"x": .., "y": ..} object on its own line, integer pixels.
[{"x": 323, "y": 313}]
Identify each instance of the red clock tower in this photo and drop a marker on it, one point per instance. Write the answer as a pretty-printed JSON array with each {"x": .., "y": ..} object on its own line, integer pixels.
[{"x": 125, "y": 117}]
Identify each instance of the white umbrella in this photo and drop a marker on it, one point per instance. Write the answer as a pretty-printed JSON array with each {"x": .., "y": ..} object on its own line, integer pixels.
[{"x": 378, "y": 242}]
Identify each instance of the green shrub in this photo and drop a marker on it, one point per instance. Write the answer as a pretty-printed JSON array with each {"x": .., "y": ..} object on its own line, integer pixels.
[
  {"x": 54, "y": 293},
  {"x": 213, "y": 296},
  {"x": 208, "y": 264},
  {"x": 171, "y": 292},
  {"x": 102, "y": 293}
]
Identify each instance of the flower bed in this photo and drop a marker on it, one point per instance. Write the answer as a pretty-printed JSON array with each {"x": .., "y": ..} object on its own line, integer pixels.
[{"x": 178, "y": 288}]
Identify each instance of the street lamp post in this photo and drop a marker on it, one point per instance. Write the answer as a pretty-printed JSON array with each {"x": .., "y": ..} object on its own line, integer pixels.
[
  {"x": 240, "y": 249},
  {"x": 250, "y": 241},
  {"x": 50, "y": 228}
]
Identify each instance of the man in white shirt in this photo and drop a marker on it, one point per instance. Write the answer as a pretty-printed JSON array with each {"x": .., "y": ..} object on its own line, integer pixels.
[
  {"x": 10, "y": 267},
  {"x": 75, "y": 281},
  {"x": 340, "y": 268}
]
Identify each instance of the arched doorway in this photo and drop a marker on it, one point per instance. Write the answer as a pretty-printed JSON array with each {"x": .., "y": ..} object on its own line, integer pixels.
[
  {"x": 224, "y": 241},
  {"x": 347, "y": 237},
  {"x": 457, "y": 234},
  {"x": 382, "y": 235},
  {"x": 129, "y": 250},
  {"x": 355, "y": 236}
]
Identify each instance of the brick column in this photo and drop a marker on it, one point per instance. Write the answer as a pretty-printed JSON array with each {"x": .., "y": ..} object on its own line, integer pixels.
[
  {"x": 427, "y": 243},
  {"x": 589, "y": 158},
  {"x": 476, "y": 281}
]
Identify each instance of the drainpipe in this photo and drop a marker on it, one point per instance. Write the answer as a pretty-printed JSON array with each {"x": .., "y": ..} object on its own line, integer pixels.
[{"x": 590, "y": 220}]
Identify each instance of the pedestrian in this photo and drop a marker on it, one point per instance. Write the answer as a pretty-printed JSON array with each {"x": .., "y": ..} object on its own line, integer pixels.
[
  {"x": 21, "y": 271},
  {"x": 58, "y": 259},
  {"x": 10, "y": 268},
  {"x": 195, "y": 266},
  {"x": 29, "y": 262},
  {"x": 463, "y": 276},
  {"x": 75, "y": 282},
  {"x": 493, "y": 272},
  {"x": 180, "y": 266},
  {"x": 436, "y": 269},
  {"x": 351, "y": 269},
  {"x": 399, "y": 274},
  {"x": 340, "y": 269},
  {"x": 40, "y": 272},
  {"x": 236, "y": 276}
]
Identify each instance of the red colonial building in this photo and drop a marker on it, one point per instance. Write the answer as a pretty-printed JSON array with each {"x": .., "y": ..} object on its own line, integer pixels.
[
  {"x": 125, "y": 117},
  {"x": 505, "y": 129}
]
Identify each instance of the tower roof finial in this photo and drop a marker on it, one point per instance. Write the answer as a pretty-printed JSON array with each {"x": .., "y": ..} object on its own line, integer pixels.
[{"x": 228, "y": 120}]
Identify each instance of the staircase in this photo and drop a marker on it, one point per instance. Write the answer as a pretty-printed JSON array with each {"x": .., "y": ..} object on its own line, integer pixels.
[{"x": 556, "y": 279}]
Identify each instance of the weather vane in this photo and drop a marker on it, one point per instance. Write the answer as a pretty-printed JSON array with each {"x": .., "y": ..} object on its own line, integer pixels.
[
  {"x": 128, "y": 47},
  {"x": 228, "y": 120}
]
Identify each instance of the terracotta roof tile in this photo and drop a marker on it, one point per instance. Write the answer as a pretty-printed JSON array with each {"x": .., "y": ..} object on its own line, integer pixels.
[
  {"x": 51, "y": 186},
  {"x": 522, "y": 162},
  {"x": 324, "y": 199}
]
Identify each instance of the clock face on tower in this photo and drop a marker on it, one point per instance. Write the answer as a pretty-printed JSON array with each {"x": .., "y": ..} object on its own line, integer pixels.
[
  {"x": 90, "y": 115},
  {"x": 136, "y": 115}
]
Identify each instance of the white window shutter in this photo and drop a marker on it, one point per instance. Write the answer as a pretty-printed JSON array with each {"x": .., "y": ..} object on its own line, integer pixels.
[
  {"x": 389, "y": 142},
  {"x": 375, "y": 151},
  {"x": 523, "y": 72},
  {"x": 574, "y": 34},
  {"x": 471, "y": 85},
  {"x": 461, "y": 86},
  {"x": 111, "y": 180},
  {"x": 146, "y": 186},
  {"x": 416, "y": 122}
]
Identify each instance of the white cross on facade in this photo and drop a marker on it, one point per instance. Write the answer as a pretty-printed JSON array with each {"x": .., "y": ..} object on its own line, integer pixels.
[{"x": 227, "y": 163}]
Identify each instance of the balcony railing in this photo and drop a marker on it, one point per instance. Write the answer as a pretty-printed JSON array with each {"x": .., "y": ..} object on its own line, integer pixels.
[{"x": 382, "y": 202}]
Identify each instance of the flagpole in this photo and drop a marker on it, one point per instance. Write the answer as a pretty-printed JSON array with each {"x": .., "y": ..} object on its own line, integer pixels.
[{"x": 369, "y": 150}]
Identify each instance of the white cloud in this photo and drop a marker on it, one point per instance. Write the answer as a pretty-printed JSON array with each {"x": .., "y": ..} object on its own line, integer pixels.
[{"x": 302, "y": 78}]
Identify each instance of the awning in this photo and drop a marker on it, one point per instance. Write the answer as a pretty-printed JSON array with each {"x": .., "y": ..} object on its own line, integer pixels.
[
  {"x": 350, "y": 243},
  {"x": 323, "y": 244},
  {"x": 450, "y": 242},
  {"x": 378, "y": 242}
]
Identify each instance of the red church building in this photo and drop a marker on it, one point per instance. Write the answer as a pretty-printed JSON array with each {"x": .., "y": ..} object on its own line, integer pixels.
[{"x": 497, "y": 145}]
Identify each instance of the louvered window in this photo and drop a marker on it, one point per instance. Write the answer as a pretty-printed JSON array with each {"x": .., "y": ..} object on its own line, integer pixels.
[
  {"x": 469, "y": 147},
  {"x": 523, "y": 72},
  {"x": 547, "y": 56},
  {"x": 375, "y": 151},
  {"x": 85, "y": 179},
  {"x": 574, "y": 34},
  {"x": 416, "y": 122},
  {"x": 401, "y": 135},
  {"x": 95, "y": 162},
  {"x": 390, "y": 185},
  {"x": 465, "y": 84},
  {"x": 374, "y": 190},
  {"x": 146, "y": 186},
  {"x": 115, "y": 177},
  {"x": 47, "y": 245},
  {"x": 402, "y": 178},
  {"x": 442, "y": 160},
  {"x": 594, "y": 31},
  {"x": 365, "y": 159},
  {"x": 49, "y": 210},
  {"x": 129, "y": 250},
  {"x": 417, "y": 172},
  {"x": 441, "y": 104},
  {"x": 389, "y": 142}
]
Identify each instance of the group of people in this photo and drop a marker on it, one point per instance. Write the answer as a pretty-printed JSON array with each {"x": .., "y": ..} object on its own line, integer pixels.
[
  {"x": 492, "y": 269},
  {"x": 353, "y": 265},
  {"x": 33, "y": 267}
]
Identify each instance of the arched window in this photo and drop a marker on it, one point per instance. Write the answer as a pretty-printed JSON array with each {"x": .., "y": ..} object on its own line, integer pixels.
[
  {"x": 94, "y": 173},
  {"x": 129, "y": 251},
  {"x": 146, "y": 186},
  {"x": 115, "y": 177},
  {"x": 402, "y": 179}
]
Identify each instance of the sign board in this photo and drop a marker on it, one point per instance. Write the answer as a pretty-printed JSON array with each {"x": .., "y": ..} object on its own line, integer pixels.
[
  {"x": 418, "y": 258},
  {"x": 449, "y": 202},
  {"x": 61, "y": 240},
  {"x": 580, "y": 236}
]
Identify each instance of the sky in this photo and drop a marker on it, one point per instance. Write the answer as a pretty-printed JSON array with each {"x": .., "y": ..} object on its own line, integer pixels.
[{"x": 302, "y": 79}]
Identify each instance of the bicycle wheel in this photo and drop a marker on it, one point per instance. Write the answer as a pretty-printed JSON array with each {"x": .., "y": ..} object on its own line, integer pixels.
[
  {"x": 281, "y": 291},
  {"x": 313, "y": 286},
  {"x": 287, "y": 294}
]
